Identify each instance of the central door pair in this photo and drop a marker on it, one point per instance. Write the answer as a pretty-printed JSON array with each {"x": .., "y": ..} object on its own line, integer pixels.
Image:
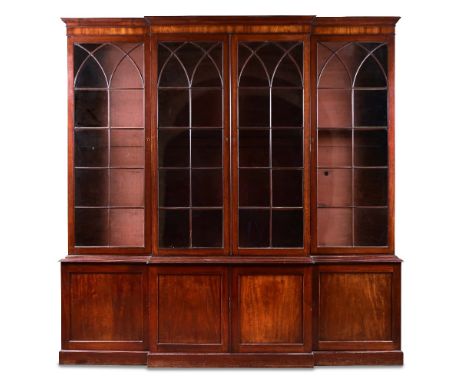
[{"x": 232, "y": 122}]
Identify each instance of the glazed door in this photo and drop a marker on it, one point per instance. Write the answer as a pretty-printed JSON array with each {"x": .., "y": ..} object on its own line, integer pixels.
[
  {"x": 354, "y": 162},
  {"x": 270, "y": 158},
  {"x": 108, "y": 147},
  {"x": 192, "y": 145}
]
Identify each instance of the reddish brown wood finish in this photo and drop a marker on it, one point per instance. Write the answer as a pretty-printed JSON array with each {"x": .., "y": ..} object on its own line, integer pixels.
[
  {"x": 271, "y": 309},
  {"x": 350, "y": 358},
  {"x": 357, "y": 307},
  {"x": 231, "y": 360},
  {"x": 108, "y": 357},
  {"x": 104, "y": 307},
  {"x": 207, "y": 308},
  {"x": 188, "y": 309}
]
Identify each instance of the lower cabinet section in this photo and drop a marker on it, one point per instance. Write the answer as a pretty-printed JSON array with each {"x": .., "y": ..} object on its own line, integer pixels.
[{"x": 228, "y": 315}]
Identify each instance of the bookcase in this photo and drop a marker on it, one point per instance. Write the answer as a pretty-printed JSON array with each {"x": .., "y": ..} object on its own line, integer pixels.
[{"x": 231, "y": 192}]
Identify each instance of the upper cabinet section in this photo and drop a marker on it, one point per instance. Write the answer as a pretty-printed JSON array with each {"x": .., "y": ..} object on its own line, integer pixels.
[{"x": 262, "y": 135}]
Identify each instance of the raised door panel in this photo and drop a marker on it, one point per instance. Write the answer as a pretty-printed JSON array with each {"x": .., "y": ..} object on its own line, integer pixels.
[
  {"x": 358, "y": 307},
  {"x": 104, "y": 307},
  {"x": 271, "y": 309},
  {"x": 188, "y": 309}
]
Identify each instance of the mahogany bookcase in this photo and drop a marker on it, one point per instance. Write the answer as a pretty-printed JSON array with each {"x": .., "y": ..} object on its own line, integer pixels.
[{"x": 231, "y": 192}]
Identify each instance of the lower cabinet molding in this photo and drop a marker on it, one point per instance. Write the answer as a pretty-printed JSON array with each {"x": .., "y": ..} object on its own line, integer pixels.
[
  {"x": 85, "y": 357},
  {"x": 349, "y": 358},
  {"x": 231, "y": 360},
  {"x": 231, "y": 315},
  {"x": 218, "y": 360}
]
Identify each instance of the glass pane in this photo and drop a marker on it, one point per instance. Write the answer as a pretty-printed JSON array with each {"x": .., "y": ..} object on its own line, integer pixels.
[
  {"x": 127, "y": 188},
  {"x": 254, "y": 228},
  {"x": 173, "y": 107},
  {"x": 127, "y": 227},
  {"x": 174, "y": 228},
  {"x": 126, "y": 75},
  {"x": 127, "y": 148},
  {"x": 254, "y": 188},
  {"x": 334, "y": 148},
  {"x": 252, "y": 70},
  {"x": 207, "y": 149},
  {"x": 270, "y": 54},
  {"x": 372, "y": 73},
  {"x": 174, "y": 188},
  {"x": 189, "y": 54},
  {"x": 332, "y": 69},
  {"x": 334, "y": 227},
  {"x": 286, "y": 105},
  {"x": 91, "y": 148},
  {"x": 334, "y": 187},
  {"x": 370, "y": 108},
  {"x": 290, "y": 69},
  {"x": 254, "y": 107},
  {"x": 91, "y": 187},
  {"x": 370, "y": 187},
  {"x": 108, "y": 55},
  {"x": 126, "y": 108},
  {"x": 209, "y": 70},
  {"x": 79, "y": 55},
  {"x": 371, "y": 226},
  {"x": 173, "y": 147},
  {"x": 287, "y": 188},
  {"x": 254, "y": 148},
  {"x": 190, "y": 95},
  {"x": 207, "y": 228},
  {"x": 114, "y": 69},
  {"x": 370, "y": 148},
  {"x": 207, "y": 188},
  {"x": 345, "y": 70},
  {"x": 207, "y": 108},
  {"x": 287, "y": 147},
  {"x": 173, "y": 72},
  {"x": 334, "y": 108},
  {"x": 89, "y": 73},
  {"x": 91, "y": 226},
  {"x": 287, "y": 228},
  {"x": 90, "y": 108}
]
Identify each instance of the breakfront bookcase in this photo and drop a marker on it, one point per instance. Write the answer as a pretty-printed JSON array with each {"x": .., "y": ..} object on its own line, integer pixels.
[{"x": 231, "y": 192}]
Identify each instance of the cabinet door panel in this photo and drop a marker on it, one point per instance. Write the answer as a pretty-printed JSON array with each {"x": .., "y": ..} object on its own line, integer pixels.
[
  {"x": 358, "y": 307},
  {"x": 271, "y": 309},
  {"x": 104, "y": 307},
  {"x": 193, "y": 144},
  {"x": 270, "y": 119},
  {"x": 188, "y": 309},
  {"x": 354, "y": 157},
  {"x": 108, "y": 168}
]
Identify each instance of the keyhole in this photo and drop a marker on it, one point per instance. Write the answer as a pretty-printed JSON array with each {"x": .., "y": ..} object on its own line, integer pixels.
[{"x": 325, "y": 173}]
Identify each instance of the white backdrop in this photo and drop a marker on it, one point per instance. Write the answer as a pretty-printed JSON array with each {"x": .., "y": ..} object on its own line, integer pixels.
[{"x": 431, "y": 184}]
